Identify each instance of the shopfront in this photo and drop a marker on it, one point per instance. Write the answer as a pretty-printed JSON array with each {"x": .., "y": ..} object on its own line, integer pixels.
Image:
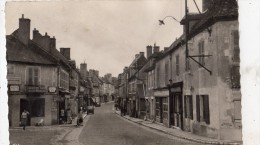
[{"x": 161, "y": 106}]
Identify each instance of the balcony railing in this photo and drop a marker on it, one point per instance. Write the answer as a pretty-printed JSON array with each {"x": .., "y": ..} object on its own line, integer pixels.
[{"x": 35, "y": 89}]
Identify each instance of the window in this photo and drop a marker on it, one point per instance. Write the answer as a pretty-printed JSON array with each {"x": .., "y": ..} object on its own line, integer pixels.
[
  {"x": 202, "y": 108},
  {"x": 235, "y": 77},
  {"x": 166, "y": 74},
  {"x": 158, "y": 76},
  {"x": 165, "y": 107},
  {"x": 64, "y": 79},
  {"x": 236, "y": 57},
  {"x": 188, "y": 106},
  {"x": 33, "y": 76},
  {"x": 187, "y": 64},
  {"x": 157, "y": 106},
  {"x": 37, "y": 107},
  {"x": 177, "y": 65},
  {"x": 201, "y": 52},
  {"x": 237, "y": 111},
  {"x": 10, "y": 69}
]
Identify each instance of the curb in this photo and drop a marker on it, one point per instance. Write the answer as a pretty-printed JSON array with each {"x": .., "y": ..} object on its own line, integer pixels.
[{"x": 182, "y": 137}]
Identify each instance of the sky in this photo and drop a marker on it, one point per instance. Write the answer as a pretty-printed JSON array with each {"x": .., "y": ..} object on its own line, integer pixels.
[{"x": 105, "y": 34}]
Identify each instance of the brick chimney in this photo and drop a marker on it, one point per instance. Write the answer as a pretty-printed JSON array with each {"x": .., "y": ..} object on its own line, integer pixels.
[
  {"x": 206, "y": 4},
  {"x": 141, "y": 53},
  {"x": 156, "y": 48},
  {"x": 65, "y": 52},
  {"x": 24, "y": 30},
  {"x": 44, "y": 41},
  {"x": 149, "y": 51}
]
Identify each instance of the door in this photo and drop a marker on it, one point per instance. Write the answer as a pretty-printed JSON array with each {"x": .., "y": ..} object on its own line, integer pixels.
[
  {"x": 178, "y": 110},
  {"x": 171, "y": 103},
  {"x": 25, "y": 105}
]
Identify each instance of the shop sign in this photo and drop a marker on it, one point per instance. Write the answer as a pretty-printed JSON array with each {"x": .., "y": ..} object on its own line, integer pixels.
[
  {"x": 177, "y": 89},
  {"x": 13, "y": 80},
  {"x": 161, "y": 93},
  {"x": 14, "y": 88},
  {"x": 52, "y": 89}
]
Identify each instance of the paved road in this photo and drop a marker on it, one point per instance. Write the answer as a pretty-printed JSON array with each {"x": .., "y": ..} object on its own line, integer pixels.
[{"x": 107, "y": 128}]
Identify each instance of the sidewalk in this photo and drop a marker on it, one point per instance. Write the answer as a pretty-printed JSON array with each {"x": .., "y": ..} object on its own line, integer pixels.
[
  {"x": 179, "y": 133},
  {"x": 42, "y": 134}
]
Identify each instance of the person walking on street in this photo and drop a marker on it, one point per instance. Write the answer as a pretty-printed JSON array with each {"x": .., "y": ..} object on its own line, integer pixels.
[
  {"x": 80, "y": 118},
  {"x": 24, "y": 117}
]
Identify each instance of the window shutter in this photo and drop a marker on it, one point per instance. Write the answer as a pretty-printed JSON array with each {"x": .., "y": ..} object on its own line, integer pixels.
[
  {"x": 191, "y": 107},
  {"x": 30, "y": 75},
  {"x": 198, "y": 107},
  {"x": 236, "y": 46},
  {"x": 36, "y": 76},
  {"x": 206, "y": 109},
  {"x": 185, "y": 106}
]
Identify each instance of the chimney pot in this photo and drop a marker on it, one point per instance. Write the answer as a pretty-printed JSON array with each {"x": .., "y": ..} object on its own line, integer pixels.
[
  {"x": 22, "y": 16},
  {"x": 46, "y": 34}
]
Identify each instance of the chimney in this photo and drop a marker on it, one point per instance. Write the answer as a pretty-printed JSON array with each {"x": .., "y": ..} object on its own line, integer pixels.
[
  {"x": 53, "y": 43},
  {"x": 141, "y": 53},
  {"x": 206, "y": 4},
  {"x": 24, "y": 30},
  {"x": 83, "y": 70},
  {"x": 97, "y": 73},
  {"x": 65, "y": 52},
  {"x": 149, "y": 51},
  {"x": 156, "y": 48}
]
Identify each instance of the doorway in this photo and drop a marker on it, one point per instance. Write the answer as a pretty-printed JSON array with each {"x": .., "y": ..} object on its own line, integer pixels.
[{"x": 25, "y": 105}]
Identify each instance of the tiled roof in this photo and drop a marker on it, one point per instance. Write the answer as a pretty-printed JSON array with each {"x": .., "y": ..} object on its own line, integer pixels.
[
  {"x": 220, "y": 10},
  {"x": 18, "y": 52}
]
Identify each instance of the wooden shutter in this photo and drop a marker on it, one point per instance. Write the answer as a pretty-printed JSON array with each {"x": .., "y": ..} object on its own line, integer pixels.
[
  {"x": 36, "y": 76},
  {"x": 198, "y": 107},
  {"x": 191, "y": 107},
  {"x": 30, "y": 76},
  {"x": 236, "y": 46},
  {"x": 185, "y": 106},
  {"x": 206, "y": 109}
]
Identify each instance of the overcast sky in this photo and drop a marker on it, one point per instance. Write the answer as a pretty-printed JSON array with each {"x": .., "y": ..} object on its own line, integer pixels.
[{"x": 106, "y": 34}]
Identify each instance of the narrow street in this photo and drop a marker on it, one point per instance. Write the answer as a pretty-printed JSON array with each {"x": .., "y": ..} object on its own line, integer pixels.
[{"x": 107, "y": 128}]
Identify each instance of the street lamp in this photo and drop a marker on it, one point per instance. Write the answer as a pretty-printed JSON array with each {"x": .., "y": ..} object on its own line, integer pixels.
[{"x": 161, "y": 22}]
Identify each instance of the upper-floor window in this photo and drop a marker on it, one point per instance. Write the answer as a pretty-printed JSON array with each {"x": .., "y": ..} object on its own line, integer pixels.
[
  {"x": 10, "y": 69},
  {"x": 64, "y": 79},
  {"x": 177, "y": 65},
  {"x": 236, "y": 49},
  {"x": 33, "y": 76},
  {"x": 201, "y": 53},
  {"x": 187, "y": 67},
  {"x": 158, "y": 76},
  {"x": 166, "y": 73}
]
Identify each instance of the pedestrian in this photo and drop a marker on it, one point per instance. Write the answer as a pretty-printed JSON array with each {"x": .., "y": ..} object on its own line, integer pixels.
[
  {"x": 24, "y": 117},
  {"x": 69, "y": 118},
  {"x": 80, "y": 118},
  {"x": 62, "y": 114}
]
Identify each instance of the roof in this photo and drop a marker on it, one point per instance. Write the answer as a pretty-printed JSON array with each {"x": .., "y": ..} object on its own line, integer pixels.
[
  {"x": 18, "y": 52},
  {"x": 220, "y": 10}
]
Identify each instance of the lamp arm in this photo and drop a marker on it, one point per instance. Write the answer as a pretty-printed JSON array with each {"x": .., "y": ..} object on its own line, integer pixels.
[{"x": 170, "y": 17}]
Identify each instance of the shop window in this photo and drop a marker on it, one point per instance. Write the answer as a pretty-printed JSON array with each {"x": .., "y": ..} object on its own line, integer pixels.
[
  {"x": 237, "y": 111},
  {"x": 37, "y": 107},
  {"x": 33, "y": 76},
  {"x": 157, "y": 106},
  {"x": 188, "y": 106},
  {"x": 165, "y": 107},
  {"x": 202, "y": 108},
  {"x": 201, "y": 52}
]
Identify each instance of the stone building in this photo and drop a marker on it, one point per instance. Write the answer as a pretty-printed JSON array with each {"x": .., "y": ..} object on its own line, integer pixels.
[{"x": 202, "y": 94}]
